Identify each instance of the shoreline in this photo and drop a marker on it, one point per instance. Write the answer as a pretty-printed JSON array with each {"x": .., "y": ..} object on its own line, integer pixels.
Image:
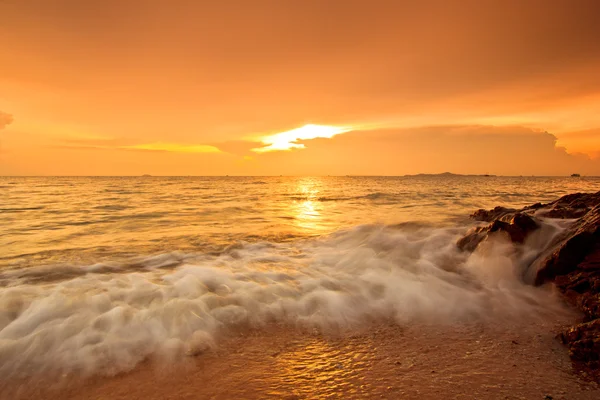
[{"x": 493, "y": 360}]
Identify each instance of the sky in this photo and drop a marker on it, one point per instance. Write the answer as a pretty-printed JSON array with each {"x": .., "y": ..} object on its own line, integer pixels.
[{"x": 299, "y": 87}]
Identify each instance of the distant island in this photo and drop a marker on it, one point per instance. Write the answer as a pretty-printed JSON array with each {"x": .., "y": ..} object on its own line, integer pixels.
[{"x": 447, "y": 174}]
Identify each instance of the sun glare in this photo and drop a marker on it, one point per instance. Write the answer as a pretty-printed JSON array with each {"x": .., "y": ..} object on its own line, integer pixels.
[{"x": 289, "y": 140}]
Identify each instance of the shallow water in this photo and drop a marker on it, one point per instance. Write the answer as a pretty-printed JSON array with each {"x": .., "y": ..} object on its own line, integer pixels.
[
  {"x": 99, "y": 274},
  {"x": 84, "y": 220}
]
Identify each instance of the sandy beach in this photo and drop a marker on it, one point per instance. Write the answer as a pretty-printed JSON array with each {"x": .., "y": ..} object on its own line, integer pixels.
[{"x": 503, "y": 360}]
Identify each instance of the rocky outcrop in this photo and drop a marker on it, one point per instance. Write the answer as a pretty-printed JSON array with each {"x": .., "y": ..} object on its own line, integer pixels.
[
  {"x": 583, "y": 343},
  {"x": 571, "y": 262},
  {"x": 578, "y": 243},
  {"x": 492, "y": 215},
  {"x": 515, "y": 224},
  {"x": 574, "y": 205}
]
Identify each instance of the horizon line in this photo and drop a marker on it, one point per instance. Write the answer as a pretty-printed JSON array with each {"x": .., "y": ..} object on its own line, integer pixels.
[{"x": 296, "y": 176}]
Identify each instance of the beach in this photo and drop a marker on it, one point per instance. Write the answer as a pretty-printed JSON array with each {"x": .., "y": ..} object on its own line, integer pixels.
[{"x": 519, "y": 360}]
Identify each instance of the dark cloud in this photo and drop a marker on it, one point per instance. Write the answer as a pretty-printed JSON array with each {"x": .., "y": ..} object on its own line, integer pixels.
[{"x": 459, "y": 149}]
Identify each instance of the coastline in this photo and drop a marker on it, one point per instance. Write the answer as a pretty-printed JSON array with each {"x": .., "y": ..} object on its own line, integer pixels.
[{"x": 570, "y": 262}]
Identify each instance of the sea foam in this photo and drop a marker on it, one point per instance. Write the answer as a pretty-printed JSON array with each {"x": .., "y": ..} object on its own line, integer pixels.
[{"x": 107, "y": 318}]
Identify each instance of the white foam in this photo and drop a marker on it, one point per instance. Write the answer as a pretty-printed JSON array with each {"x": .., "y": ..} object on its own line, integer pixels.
[{"x": 108, "y": 322}]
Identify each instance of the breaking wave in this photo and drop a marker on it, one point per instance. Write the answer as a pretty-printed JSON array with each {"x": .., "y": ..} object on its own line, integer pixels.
[{"x": 106, "y": 318}]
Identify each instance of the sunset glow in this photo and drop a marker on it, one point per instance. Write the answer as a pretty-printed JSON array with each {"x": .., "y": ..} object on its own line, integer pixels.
[
  {"x": 299, "y": 199},
  {"x": 289, "y": 140},
  {"x": 299, "y": 88},
  {"x": 173, "y": 147}
]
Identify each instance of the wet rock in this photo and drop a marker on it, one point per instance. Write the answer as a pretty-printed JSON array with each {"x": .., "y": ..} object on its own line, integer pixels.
[
  {"x": 517, "y": 226},
  {"x": 492, "y": 215},
  {"x": 472, "y": 239},
  {"x": 577, "y": 244},
  {"x": 534, "y": 206},
  {"x": 574, "y": 205},
  {"x": 571, "y": 262},
  {"x": 583, "y": 342}
]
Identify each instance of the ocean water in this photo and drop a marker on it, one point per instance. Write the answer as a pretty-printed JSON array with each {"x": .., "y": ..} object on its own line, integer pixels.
[{"x": 99, "y": 273}]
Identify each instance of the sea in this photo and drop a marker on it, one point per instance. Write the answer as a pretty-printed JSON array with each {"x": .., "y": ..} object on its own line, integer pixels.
[{"x": 98, "y": 274}]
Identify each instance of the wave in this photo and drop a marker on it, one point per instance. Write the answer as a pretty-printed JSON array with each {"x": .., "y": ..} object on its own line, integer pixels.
[
  {"x": 107, "y": 318},
  {"x": 20, "y": 209},
  {"x": 371, "y": 196}
]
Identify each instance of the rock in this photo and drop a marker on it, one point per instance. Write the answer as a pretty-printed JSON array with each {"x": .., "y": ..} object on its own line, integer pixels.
[
  {"x": 571, "y": 262},
  {"x": 524, "y": 222},
  {"x": 534, "y": 206},
  {"x": 472, "y": 239},
  {"x": 579, "y": 241},
  {"x": 570, "y": 206},
  {"x": 517, "y": 227},
  {"x": 583, "y": 342},
  {"x": 491, "y": 215},
  {"x": 581, "y": 286}
]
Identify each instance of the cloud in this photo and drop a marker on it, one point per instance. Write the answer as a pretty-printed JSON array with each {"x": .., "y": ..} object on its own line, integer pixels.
[
  {"x": 174, "y": 147},
  {"x": 459, "y": 149},
  {"x": 5, "y": 119},
  {"x": 585, "y": 141},
  {"x": 102, "y": 143},
  {"x": 237, "y": 147}
]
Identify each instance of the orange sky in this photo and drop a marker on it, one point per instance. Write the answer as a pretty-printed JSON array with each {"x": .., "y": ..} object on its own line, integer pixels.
[{"x": 120, "y": 87}]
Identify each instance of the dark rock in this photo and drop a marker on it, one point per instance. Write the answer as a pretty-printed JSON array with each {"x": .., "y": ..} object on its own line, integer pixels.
[
  {"x": 519, "y": 225},
  {"x": 524, "y": 222},
  {"x": 472, "y": 239},
  {"x": 534, "y": 206},
  {"x": 491, "y": 215},
  {"x": 571, "y": 262},
  {"x": 581, "y": 284},
  {"x": 583, "y": 342},
  {"x": 571, "y": 206},
  {"x": 579, "y": 241}
]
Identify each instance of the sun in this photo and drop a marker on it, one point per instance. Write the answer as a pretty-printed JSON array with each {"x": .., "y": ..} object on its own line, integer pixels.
[{"x": 288, "y": 140}]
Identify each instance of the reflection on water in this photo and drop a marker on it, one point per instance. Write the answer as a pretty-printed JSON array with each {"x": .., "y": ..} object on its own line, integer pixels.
[
  {"x": 319, "y": 369},
  {"x": 308, "y": 216},
  {"x": 80, "y": 220}
]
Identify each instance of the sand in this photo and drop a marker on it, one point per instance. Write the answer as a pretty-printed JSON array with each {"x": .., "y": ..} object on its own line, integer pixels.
[{"x": 492, "y": 360}]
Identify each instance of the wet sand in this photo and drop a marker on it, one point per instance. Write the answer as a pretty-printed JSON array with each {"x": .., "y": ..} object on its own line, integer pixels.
[{"x": 500, "y": 360}]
